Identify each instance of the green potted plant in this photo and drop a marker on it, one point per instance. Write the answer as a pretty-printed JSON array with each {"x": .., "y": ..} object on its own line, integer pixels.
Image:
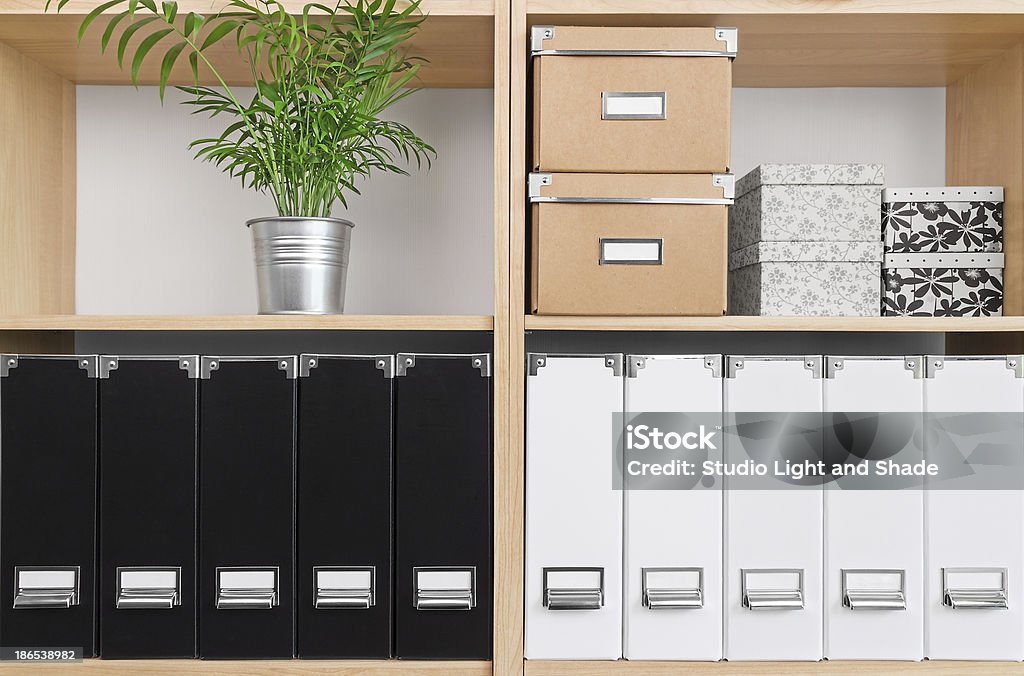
[{"x": 308, "y": 131}]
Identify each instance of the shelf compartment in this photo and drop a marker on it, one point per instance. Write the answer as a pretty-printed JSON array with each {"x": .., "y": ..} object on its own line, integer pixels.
[
  {"x": 748, "y": 324},
  {"x": 457, "y": 39},
  {"x": 802, "y": 43},
  {"x": 246, "y": 323}
]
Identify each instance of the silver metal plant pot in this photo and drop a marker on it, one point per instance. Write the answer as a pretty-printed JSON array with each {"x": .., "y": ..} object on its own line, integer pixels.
[{"x": 301, "y": 264}]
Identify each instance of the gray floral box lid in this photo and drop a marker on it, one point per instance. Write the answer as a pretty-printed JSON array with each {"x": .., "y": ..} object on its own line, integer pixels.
[
  {"x": 816, "y": 252},
  {"x": 811, "y": 174}
]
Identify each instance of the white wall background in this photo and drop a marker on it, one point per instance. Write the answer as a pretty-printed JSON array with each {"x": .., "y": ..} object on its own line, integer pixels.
[
  {"x": 160, "y": 233},
  {"x": 905, "y": 129}
]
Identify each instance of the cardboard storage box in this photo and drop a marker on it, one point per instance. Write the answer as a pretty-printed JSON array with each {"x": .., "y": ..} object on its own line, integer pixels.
[
  {"x": 631, "y": 244},
  {"x": 632, "y": 100},
  {"x": 807, "y": 203},
  {"x": 824, "y": 279},
  {"x": 943, "y": 251}
]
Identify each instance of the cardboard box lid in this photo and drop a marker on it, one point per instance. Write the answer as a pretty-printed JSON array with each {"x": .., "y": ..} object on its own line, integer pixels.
[
  {"x": 633, "y": 41},
  {"x": 811, "y": 174},
  {"x": 806, "y": 252},
  {"x": 973, "y": 193},
  {"x": 639, "y": 188}
]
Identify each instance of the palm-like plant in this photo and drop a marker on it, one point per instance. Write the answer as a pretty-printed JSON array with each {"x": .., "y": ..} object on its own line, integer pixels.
[{"x": 312, "y": 127}]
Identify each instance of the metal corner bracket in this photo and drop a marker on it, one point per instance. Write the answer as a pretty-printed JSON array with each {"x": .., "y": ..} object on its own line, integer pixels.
[
  {"x": 833, "y": 365},
  {"x": 813, "y": 364},
  {"x": 614, "y": 362},
  {"x": 713, "y": 362},
  {"x": 732, "y": 365},
  {"x": 482, "y": 363},
  {"x": 534, "y": 183},
  {"x": 7, "y": 362},
  {"x": 290, "y": 367},
  {"x": 730, "y": 36},
  {"x": 915, "y": 365},
  {"x": 932, "y": 365},
  {"x": 106, "y": 365},
  {"x": 634, "y": 363},
  {"x": 307, "y": 362},
  {"x": 404, "y": 362},
  {"x": 727, "y": 182},
  {"x": 90, "y": 365},
  {"x": 534, "y": 362},
  {"x": 207, "y": 365},
  {"x": 386, "y": 364},
  {"x": 1015, "y": 362},
  {"x": 538, "y": 34}
]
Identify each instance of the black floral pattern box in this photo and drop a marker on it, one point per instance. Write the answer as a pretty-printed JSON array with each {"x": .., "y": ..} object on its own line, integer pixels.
[{"x": 943, "y": 252}]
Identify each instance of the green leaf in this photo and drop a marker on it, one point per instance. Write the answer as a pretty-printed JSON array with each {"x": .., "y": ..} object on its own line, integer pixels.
[
  {"x": 108, "y": 32},
  {"x": 193, "y": 61},
  {"x": 218, "y": 33},
  {"x": 91, "y": 16},
  {"x": 126, "y": 36},
  {"x": 170, "y": 11},
  {"x": 143, "y": 49},
  {"x": 193, "y": 22},
  {"x": 167, "y": 64}
]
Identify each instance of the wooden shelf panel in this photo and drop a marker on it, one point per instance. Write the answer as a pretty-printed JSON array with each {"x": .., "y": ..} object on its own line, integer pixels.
[
  {"x": 626, "y": 668},
  {"x": 247, "y": 323},
  {"x": 827, "y": 324},
  {"x": 256, "y": 668},
  {"x": 457, "y": 39},
  {"x": 810, "y": 43},
  {"x": 776, "y": 7}
]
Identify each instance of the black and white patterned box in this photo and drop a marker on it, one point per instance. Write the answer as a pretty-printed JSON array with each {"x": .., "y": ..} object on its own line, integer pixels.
[{"x": 943, "y": 252}]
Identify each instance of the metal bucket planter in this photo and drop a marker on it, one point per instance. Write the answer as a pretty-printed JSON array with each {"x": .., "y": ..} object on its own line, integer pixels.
[{"x": 301, "y": 264}]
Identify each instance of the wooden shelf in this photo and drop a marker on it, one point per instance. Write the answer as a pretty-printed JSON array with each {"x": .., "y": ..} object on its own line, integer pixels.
[
  {"x": 810, "y": 43},
  {"x": 256, "y": 668},
  {"x": 829, "y": 324},
  {"x": 626, "y": 668},
  {"x": 457, "y": 39},
  {"x": 247, "y": 323}
]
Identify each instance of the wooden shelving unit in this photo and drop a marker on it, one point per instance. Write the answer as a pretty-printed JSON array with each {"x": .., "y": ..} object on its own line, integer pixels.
[{"x": 973, "y": 48}]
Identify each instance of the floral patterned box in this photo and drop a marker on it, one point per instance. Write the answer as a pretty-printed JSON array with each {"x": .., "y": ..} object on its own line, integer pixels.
[
  {"x": 957, "y": 284},
  {"x": 931, "y": 220},
  {"x": 805, "y": 278},
  {"x": 806, "y": 203},
  {"x": 943, "y": 251}
]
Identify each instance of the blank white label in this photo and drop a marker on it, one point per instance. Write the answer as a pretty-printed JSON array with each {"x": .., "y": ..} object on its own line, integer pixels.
[
  {"x": 344, "y": 579},
  {"x": 574, "y": 579},
  {"x": 248, "y": 579},
  {"x": 633, "y": 105},
  {"x": 149, "y": 579},
  {"x": 635, "y": 252},
  {"x": 772, "y": 580},
  {"x": 673, "y": 580},
  {"x": 46, "y": 579},
  {"x": 978, "y": 579},
  {"x": 440, "y": 580}
]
